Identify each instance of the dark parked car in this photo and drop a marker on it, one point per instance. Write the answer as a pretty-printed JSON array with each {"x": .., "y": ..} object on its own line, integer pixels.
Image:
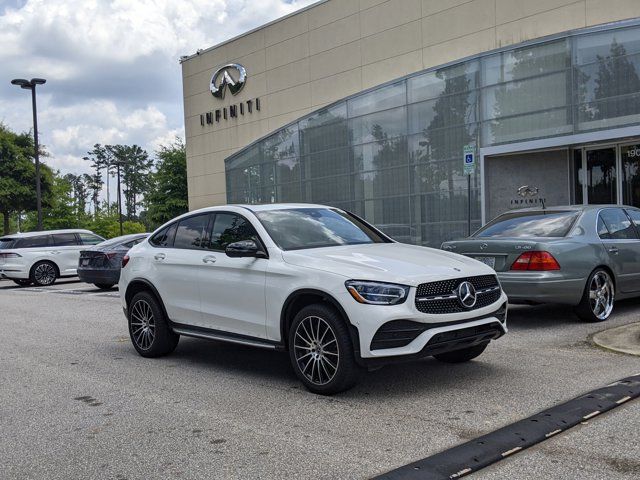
[{"x": 101, "y": 263}]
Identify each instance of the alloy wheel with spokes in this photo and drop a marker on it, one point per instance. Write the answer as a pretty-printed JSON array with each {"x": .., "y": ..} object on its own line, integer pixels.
[
  {"x": 321, "y": 350},
  {"x": 143, "y": 325},
  {"x": 44, "y": 274},
  {"x": 149, "y": 328},
  {"x": 316, "y": 350},
  {"x": 601, "y": 295},
  {"x": 598, "y": 297}
]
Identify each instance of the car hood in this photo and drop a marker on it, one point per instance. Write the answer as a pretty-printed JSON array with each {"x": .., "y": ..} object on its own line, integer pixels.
[{"x": 388, "y": 262}]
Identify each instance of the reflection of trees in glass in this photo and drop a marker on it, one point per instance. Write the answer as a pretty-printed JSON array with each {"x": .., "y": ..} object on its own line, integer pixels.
[
  {"x": 616, "y": 76},
  {"x": 443, "y": 146},
  {"x": 523, "y": 95}
]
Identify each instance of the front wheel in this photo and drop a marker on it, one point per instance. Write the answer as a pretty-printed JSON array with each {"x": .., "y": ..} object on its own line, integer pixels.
[
  {"x": 598, "y": 297},
  {"x": 104, "y": 286},
  {"x": 150, "y": 334},
  {"x": 321, "y": 352},
  {"x": 463, "y": 355},
  {"x": 43, "y": 274}
]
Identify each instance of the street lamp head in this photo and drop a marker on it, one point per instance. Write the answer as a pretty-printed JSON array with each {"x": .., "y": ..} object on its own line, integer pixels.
[
  {"x": 38, "y": 81},
  {"x": 21, "y": 81}
]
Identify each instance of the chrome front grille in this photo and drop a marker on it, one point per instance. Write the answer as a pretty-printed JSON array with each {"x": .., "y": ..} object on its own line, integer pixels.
[{"x": 442, "y": 298}]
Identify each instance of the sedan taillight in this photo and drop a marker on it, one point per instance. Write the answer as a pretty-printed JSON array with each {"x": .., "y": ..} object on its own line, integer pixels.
[
  {"x": 125, "y": 260},
  {"x": 10, "y": 255},
  {"x": 536, "y": 261}
]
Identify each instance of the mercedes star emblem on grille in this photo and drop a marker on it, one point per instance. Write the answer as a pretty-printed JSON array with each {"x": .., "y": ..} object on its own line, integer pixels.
[{"x": 467, "y": 294}]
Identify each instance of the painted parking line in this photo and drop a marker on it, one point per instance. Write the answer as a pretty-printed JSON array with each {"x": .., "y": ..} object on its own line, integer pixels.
[
  {"x": 67, "y": 291},
  {"x": 495, "y": 446}
]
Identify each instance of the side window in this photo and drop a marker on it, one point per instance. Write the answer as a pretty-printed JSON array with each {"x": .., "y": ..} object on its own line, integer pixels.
[
  {"x": 90, "y": 239},
  {"x": 618, "y": 225},
  {"x": 603, "y": 232},
  {"x": 34, "y": 242},
  {"x": 191, "y": 232},
  {"x": 229, "y": 228},
  {"x": 164, "y": 238},
  {"x": 635, "y": 216},
  {"x": 64, "y": 239}
]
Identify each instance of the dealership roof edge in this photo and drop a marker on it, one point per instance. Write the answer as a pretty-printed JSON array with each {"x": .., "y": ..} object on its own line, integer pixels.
[
  {"x": 259, "y": 27},
  {"x": 634, "y": 22}
]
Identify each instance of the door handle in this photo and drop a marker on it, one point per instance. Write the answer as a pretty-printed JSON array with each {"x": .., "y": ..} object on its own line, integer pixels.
[
  {"x": 209, "y": 259},
  {"x": 159, "y": 256},
  {"x": 613, "y": 250}
]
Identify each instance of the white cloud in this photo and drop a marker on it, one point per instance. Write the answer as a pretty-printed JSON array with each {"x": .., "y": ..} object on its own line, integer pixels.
[{"x": 111, "y": 66}]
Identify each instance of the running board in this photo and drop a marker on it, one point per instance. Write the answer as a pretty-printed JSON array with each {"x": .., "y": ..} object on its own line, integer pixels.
[{"x": 209, "y": 334}]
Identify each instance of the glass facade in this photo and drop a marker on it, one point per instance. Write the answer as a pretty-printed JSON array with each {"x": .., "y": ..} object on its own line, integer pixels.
[{"x": 393, "y": 154}]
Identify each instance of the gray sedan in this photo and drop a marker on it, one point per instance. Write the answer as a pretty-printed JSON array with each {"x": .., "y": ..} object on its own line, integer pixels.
[
  {"x": 101, "y": 263},
  {"x": 586, "y": 256}
]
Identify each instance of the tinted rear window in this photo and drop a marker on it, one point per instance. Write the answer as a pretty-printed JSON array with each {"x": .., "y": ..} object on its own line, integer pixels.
[
  {"x": 529, "y": 224},
  {"x": 64, "y": 239},
  {"x": 191, "y": 232},
  {"x": 6, "y": 243},
  {"x": 164, "y": 238},
  {"x": 33, "y": 242}
]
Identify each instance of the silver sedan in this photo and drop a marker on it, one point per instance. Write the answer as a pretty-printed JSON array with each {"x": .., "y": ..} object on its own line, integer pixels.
[{"x": 586, "y": 256}]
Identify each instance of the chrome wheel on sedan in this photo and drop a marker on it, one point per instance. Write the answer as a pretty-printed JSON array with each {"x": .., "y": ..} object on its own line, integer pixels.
[
  {"x": 316, "y": 350},
  {"x": 143, "y": 326},
  {"x": 598, "y": 297},
  {"x": 601, "y": 295}
]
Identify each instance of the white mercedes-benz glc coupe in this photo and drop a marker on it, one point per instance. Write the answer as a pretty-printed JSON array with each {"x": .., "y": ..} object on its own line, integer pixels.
[{"x": 336, "y": 293}]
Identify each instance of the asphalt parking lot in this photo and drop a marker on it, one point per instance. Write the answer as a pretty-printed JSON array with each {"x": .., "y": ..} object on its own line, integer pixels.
[{"x": 78, "y": 402}]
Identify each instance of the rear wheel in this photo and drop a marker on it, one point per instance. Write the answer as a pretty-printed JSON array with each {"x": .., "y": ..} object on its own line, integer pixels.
[
  {"x": 463, "y": 355},
  {"x": 22, "y": 282},
  {"x": 148, "y": 328},
  {"x": 598, "y": 297},
  {"x": 44, "y": 273},
  {"x": 104, "y": 286},
  {"x": 321, "y": 352}
]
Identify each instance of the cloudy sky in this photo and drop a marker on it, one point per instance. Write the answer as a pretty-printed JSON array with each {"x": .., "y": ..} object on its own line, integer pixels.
[{"x": 111, "y": 66}]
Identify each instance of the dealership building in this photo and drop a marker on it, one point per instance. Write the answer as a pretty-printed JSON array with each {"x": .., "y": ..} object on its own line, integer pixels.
[{"x": 422, "y": 116}]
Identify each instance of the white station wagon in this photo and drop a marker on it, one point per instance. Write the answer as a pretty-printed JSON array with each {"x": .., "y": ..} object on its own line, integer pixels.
[{"x": 42, "y": 257}]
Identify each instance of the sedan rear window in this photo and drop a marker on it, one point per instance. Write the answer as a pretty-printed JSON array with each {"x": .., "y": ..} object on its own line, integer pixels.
[{"x": 529, "y": 224}]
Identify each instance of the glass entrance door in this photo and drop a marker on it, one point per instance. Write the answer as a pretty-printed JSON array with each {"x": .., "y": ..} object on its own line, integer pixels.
[
  {"x": 599, "y": 167},
  {"x": 630, "y": 173}
]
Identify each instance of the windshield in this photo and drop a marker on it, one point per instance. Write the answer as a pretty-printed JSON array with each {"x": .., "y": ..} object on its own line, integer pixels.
[
  {"x": 529, "y": 224},
  {"x": 298, "y": 228},
  {"x": 6, "y": 243}
]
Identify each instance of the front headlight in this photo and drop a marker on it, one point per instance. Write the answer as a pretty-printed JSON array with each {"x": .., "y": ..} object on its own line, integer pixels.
[{"x": 376, "y": 293}]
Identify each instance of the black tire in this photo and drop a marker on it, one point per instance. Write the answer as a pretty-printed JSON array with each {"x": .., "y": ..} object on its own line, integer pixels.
[
  {"x": 163, "y": 340},
  {"x": 104, "y": 286},
  {"x": 22, "y": 282},
  {"x": 44, "y": 273},
  {"x": 337, "y": 369},
  {"x": 461, "y": 356},
  {"x": 586, "y": 310}
]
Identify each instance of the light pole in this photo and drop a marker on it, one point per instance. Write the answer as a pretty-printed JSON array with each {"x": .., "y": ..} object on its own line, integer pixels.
[
  {"x": 118, "y": 163},
  {"x": 31, "y": 85}
]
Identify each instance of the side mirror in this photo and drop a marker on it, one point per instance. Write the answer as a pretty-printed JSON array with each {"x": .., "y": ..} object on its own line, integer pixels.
[{"x": 244, "y": 248}]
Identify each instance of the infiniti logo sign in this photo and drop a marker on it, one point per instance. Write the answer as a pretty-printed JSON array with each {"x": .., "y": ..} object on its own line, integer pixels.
[
  {"x": 232, "y": 75},
  {"x": 467, "y": 294}
]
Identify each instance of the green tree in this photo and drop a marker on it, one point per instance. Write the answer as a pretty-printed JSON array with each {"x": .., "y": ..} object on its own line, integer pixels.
[
  {"x": 167, "y": 197},
  {"x": 60, "y": 210},
  {"x": 18, "y": 175}
]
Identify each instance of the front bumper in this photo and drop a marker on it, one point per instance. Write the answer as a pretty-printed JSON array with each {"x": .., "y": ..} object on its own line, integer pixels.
[
  {"x": 368, "y": 319},
  {"x": 542, "y": 287}
]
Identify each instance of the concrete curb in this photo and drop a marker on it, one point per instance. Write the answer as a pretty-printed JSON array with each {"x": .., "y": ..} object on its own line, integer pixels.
[{"x": 623, "y": 339}]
